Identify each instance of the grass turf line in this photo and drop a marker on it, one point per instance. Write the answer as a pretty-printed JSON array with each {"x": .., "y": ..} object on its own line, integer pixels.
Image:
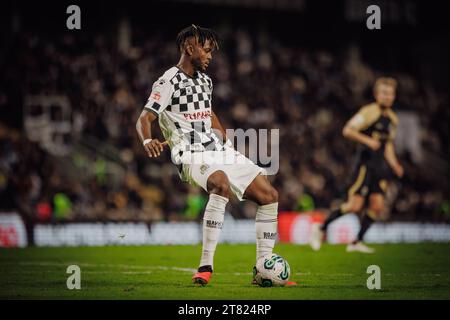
[{"x": 408, "y": 271}]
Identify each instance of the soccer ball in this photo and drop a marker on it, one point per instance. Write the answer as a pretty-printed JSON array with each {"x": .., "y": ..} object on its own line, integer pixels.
[{"x": 271, "y": 270}]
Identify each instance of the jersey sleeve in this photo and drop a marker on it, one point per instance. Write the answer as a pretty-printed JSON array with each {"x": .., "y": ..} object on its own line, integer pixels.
[
  {"x": 160, "y": 97},
  {"x": 363, "y": 118}
]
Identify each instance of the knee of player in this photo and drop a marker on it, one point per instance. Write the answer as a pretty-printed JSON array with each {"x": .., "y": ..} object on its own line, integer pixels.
[
  {"x": 273, "y": 195},
  {"x": 219, "y": 185},
  {"x": 269, "y": 196},
  {"x": 222, "y": 189}
]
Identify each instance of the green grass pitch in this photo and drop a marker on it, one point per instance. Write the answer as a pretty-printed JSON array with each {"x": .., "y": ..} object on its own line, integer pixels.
[{"x": 408, "y": 271}]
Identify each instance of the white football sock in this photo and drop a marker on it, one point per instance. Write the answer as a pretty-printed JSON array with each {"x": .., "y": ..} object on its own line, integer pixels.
[
  {"x": 266, "y": 229},
  {"x": 212, "y": 225}
]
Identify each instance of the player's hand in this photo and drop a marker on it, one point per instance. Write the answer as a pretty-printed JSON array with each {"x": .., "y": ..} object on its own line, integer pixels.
[
  {"x": 399, "y": 171},
  {"x": 374, "y": 144},
  {"x": 228, "y": 144},
  {"x": 154, "y": 148}
]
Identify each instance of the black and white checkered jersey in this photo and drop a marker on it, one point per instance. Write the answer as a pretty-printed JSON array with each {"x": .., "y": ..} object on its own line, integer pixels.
[{"x": 183, "y": 106}]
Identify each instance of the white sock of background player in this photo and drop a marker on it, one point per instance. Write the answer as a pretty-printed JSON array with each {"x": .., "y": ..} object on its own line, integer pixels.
[
  {"x": 266, "y": 229},
  {"x": 212, "y": 225}
]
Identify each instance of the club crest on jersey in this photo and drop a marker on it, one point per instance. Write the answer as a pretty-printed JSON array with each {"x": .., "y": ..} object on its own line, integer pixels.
[{"x": 203, "y": 168}]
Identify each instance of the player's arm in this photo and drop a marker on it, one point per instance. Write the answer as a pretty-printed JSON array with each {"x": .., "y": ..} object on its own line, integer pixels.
[
  {"x": 392, "y": 160},
  {"x": 153, "y": 147},
  {"x": 156, "y": 103},
  {"x": 352, "y": 130},
  {"x": 215, "y": 124}
]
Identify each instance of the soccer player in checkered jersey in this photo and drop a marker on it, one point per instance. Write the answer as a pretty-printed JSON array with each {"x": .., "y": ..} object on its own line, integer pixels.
[{"x": 181, "y": 101}]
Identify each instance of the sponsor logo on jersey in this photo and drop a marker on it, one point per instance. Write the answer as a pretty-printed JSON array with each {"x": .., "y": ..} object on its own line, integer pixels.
[
  {"x": 201, "y": 115},
  {"x": 156, "y": 96}
]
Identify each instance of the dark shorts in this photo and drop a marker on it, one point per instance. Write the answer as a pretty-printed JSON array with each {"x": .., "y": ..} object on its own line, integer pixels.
[{"x": 367, "y": 180}]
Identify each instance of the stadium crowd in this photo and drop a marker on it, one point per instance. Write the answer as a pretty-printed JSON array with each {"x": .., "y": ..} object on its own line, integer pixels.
[{"x": 307, "y": 93}]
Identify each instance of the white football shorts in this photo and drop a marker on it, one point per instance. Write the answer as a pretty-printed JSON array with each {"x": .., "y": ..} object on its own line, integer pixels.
[{"x": 241, "y": 171}]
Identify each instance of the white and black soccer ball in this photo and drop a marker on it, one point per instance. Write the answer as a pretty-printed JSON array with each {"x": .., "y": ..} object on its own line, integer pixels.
[{"x": 272, "y": 270}]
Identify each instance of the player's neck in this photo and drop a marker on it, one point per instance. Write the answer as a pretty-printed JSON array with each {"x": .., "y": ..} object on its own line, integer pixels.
[
  {"x": 186, "y": 66},
  {"x": 384, "y": 110}
]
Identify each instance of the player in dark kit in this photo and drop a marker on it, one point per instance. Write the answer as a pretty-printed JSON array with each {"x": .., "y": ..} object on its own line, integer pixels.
[{"x": 374, "y": 128}]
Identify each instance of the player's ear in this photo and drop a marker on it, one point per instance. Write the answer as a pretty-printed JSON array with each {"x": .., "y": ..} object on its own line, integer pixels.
[{"x": 189, "y": 49}]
